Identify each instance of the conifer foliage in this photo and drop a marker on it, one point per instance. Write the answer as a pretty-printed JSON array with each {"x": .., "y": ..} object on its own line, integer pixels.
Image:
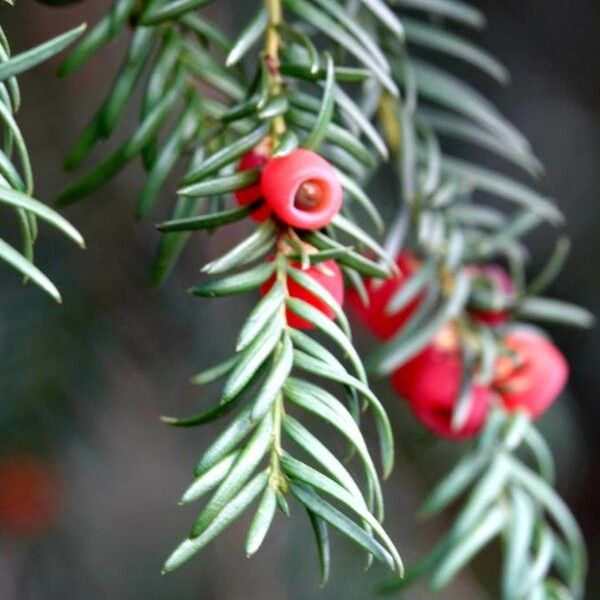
[
  {"x": 292, "y": 107},
  {"x": 284, "y": 125},
  {"x": 16, "y": 176}
]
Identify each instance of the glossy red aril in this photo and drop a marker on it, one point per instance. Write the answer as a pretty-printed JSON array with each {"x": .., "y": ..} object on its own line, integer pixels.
[
  {"x": 255, "y": 159},
  {"x": 302, "y": 189},
  {"x": 533, "y": 378},
  {"x": 430, "y": 384},
  {"x": 28, "y": 495},
  {"x": 497, "y": 281},
  {"x": 374, "y": 316},
  {"x": 328, "y": 274}
]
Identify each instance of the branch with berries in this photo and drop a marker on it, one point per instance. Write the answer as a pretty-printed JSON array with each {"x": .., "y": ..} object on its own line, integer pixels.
[
  {"x": 451, "y": 328},
  {"x": 288, "y": 143},
  {"x": 289, "y": 157},
  {"x": 509, "y": 468},
  {"x": 302, "y": 289}
]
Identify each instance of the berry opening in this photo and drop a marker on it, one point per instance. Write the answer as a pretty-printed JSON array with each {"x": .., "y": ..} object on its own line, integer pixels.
[{"x": 310, "y": 196}]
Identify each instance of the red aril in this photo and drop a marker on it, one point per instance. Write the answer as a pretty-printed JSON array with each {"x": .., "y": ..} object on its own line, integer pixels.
[
  {"x": 500, "y": 284},
  {"x": 328, "y": 274},
  {"x": 255, "y": 159},
  {"x": 302, "y": 189},
  {"x": 430, "y": 383},
  {"x": 533, "y": 378},
  {"x": 374, "y": 316}
]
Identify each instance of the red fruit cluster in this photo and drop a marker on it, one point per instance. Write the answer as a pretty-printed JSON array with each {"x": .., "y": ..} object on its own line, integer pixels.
[
  {"x": 326, "y": 273},
  {"x": 301, "y": 188},
  {"x": 384, "y": 324},
  {"x": 529, "y": 377},
  {"x": 28, "y": 496},
  {"x": 374, "y": 315}
]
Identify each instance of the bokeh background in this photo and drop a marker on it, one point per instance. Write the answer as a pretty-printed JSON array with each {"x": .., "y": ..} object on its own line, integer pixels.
[{"x": 82, "y": 385}]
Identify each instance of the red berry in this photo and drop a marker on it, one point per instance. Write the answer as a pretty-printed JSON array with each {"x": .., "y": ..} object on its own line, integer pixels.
[
  {"x": 498, "y": 281},
  {"x": 430, "y": 383},
  {"x": 438, "y": 417},
  {"x": 302, "y": 189},
  {"x": 328, "y": 274},
  {"x": 534, "y": 377},
  {"x": 255, "y": 159},
  {"x": 374, "y": 316},
  {"x": 28, "y": 495}
]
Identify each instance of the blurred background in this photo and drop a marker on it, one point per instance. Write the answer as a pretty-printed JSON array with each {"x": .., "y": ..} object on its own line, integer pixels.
[{"x": 82, "y": 385}]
